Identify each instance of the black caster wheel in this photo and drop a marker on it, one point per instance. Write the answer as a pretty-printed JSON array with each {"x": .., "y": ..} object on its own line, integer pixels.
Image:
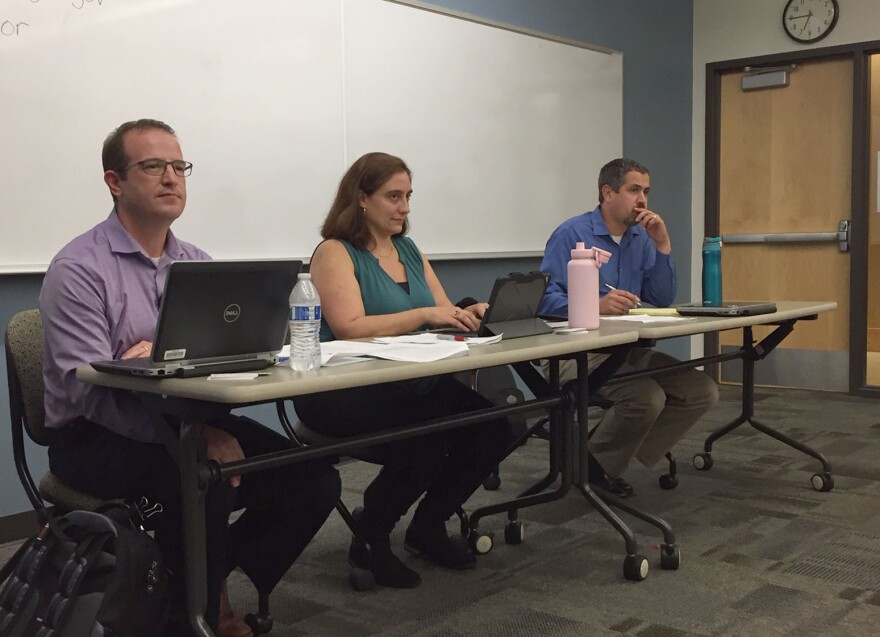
[
  {"x": 822, "y": 481},
  {"x": 635, "y": 568},
  {"x": 668, "y": 482},
  {"x": 703, "y": 461},
  {"x": 259, "y": 624},
  {"x": 513, "y": 532},
  {"x": 492, "y": 482},
  {"x": 480, "y": 544},
  {"x": 670, "y": 557},
  {"x": 361, "y": 579}
]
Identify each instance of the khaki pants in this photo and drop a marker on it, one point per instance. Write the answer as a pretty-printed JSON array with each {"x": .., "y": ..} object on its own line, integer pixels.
[{"x": 650, "y": 414}]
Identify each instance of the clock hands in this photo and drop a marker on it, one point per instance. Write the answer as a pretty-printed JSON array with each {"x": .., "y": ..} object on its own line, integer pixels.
[{"x": 808, "y": 16}]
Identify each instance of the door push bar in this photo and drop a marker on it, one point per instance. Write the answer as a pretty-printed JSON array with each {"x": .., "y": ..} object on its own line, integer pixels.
[{"x": 841, "y": 237}]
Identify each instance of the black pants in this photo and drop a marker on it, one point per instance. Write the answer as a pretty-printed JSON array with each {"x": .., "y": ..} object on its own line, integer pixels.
[
  {"x": 447, "y": 467},
  {"x": 285, "y": 507}
]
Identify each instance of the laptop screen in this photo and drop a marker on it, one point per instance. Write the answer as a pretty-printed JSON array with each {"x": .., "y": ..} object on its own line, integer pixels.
[
  {"x": 516, "y": 297},
  {"x": 223, "y": 309},
  {"x": 513, "y": 307}
]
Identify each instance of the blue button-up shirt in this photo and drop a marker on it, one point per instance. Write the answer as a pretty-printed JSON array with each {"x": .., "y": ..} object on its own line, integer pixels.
[
  {"x": 99, "y": 297},
  {"x": 635, "y": 265}
]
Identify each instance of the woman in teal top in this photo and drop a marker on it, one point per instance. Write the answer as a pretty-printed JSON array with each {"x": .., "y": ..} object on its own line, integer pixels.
[
  {"x": 380, "y": 294},
  {"x": 374, "y": 281}
]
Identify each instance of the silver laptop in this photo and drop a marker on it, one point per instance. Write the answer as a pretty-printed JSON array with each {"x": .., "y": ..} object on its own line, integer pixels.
[
  {"x": 217, "y": 316},
  {"x": 737, "y": 308}
]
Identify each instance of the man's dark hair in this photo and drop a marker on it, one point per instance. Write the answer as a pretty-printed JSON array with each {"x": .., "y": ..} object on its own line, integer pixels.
[
  {"x": 614, "y": 173},
  {"x": 113, "y": 156}
]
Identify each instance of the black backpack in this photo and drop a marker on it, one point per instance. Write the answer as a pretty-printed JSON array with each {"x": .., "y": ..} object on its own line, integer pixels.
[{"x": 85, "y": 574}]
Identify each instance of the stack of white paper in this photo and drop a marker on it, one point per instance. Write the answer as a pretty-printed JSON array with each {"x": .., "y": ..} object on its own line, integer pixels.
[
  {"x": 394, "y": 351},
  {"x": 428, "y": 338}
]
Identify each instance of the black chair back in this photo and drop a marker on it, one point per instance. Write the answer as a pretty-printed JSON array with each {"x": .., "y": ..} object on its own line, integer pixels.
[
  {"x": 27, "y": 413},
  {"x": 24, "y": 371}
]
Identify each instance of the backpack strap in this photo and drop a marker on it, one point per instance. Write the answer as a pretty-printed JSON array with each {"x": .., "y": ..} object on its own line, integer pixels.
[
  {"x": 87, "y": 553},
  {"x": 6, "y": 569},
  {"x": 19, "y": 597}
]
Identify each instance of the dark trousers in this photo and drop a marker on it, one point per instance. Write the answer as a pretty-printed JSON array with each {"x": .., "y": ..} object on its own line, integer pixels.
[
  {"x": 447, "y": 467},
  {"x": 285, "y": 507}
]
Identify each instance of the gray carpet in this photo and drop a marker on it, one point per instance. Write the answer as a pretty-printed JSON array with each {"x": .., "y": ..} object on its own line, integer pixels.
[{"x": 762, "y": 552}]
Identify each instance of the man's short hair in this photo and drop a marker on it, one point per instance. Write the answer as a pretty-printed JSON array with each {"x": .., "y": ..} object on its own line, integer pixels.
[
  {"x": 113, "y": 156},
  {"x": 614, "y": 173}
]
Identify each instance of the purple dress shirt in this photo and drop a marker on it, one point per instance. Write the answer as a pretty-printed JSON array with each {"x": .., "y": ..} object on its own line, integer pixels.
[{"x": 99, "y": 297}]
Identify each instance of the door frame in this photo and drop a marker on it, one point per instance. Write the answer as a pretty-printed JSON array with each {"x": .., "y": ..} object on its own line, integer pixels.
[{"x": 859, "y": 53}]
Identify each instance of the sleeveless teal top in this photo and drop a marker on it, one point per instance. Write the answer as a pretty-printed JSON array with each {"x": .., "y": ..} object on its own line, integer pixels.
[{"x": 379, "y": 292}]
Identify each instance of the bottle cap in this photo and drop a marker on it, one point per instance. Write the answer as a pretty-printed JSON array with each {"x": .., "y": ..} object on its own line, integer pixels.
[
  {"x": 304, "y": 276},
  {"x": 599, "y": 255},
  {"x": 580, "y": 252}
]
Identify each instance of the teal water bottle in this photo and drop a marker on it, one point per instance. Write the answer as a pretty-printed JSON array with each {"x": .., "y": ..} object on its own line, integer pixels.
[{"x": 712, "y": 271}]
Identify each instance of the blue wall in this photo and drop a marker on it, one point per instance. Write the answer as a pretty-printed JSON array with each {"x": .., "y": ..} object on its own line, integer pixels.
[{"x": 656, "y": 40}]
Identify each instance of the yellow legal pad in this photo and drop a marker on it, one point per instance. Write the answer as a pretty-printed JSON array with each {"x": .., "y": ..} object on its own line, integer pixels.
[{"x": 656, "y": 311}]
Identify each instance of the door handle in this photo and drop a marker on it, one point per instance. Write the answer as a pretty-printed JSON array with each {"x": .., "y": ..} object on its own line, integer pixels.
[{"x": 842, "y": 237}]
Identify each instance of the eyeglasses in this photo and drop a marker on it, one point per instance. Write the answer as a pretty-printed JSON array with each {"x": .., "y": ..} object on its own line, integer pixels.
[{"x": 157, "y": 167}]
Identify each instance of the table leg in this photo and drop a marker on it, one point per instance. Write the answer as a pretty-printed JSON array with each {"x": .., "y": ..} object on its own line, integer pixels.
[
  {"x": 635, "y": 566},
  {"x": 192, "y": 496},
  {"x": 823, "y": 481}
]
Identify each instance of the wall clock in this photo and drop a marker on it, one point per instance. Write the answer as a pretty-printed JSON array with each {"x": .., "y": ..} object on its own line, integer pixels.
[{"x": 809, "y": 21}]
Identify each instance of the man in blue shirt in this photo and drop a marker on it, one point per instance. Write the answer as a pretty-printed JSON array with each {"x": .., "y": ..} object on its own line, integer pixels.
[{"x": 651, "y": 413}]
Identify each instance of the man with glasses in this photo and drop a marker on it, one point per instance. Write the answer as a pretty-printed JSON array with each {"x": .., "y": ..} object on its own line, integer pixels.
[{"x": 100, "y": 300}]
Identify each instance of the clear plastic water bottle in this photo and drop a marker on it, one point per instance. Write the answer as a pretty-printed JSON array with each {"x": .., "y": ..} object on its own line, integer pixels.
[
  {"x": 305, "y": 325},
  {"x": 712, "y": 271}
]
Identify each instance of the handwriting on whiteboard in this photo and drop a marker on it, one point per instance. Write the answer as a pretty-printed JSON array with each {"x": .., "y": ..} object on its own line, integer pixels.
[
  {"x": 80, "y": 4},
  {"x": 12, "y": 26}
]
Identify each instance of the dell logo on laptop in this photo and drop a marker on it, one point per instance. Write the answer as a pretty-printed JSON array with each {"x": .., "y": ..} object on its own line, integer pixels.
[{"x": 231, "y": 313}]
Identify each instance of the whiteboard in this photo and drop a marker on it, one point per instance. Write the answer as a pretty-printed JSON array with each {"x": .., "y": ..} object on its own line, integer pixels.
[{"x": 272, "y": 99}]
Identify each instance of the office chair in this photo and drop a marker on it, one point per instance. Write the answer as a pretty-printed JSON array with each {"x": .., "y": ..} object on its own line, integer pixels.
[
  {"x": 497, "y": 384},
  {"x": 362, "y": 579},
  {"x": 24, "y": 372}
]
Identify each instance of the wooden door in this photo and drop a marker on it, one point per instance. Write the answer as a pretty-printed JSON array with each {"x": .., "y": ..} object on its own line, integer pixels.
[
  {"x": 786, "y": 167},
  {"x": 873, "y": 336}
]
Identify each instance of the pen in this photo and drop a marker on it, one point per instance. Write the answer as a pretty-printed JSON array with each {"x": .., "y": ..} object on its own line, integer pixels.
[
  {"x": 611, "y": 287},
  {"x": 451, "y": 337}
]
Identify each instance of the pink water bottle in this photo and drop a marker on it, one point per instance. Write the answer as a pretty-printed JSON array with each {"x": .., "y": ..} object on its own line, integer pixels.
[{"x": 583, "y": 286}]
